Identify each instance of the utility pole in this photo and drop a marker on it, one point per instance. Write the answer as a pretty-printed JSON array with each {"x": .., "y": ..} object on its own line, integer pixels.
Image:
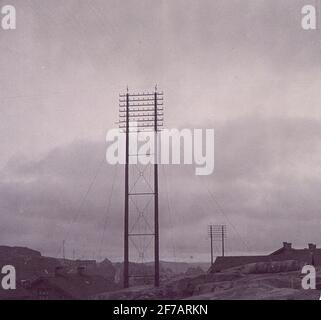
[
  {"x": 63, "y": 250},
  {"x": 211, "y": 237},
  {"x": 126, "y": 245},
  {"x": 156, "y": 228},
  {"x": 217, "y": 233},
  {"x": 223, "y": 238},
  {"x": 140, "y": 112}
]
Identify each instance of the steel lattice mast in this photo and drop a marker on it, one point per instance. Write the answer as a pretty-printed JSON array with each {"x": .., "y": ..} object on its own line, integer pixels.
[{"x": 141, "y": 112}]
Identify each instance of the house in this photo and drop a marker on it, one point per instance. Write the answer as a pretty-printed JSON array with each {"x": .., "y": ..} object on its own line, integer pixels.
[
  {"x": 68, "y": 286},
  {"x": 310, "y": 255}
]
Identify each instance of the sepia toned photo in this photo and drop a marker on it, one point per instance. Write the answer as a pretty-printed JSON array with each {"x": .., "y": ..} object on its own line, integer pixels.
[{"x": 160, "y": 150}]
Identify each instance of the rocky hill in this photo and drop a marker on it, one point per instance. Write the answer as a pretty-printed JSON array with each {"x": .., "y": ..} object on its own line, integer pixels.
[{"x": 254, "y": 282}]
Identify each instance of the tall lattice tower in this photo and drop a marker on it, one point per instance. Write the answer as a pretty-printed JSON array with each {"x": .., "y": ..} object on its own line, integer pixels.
[{"x": 141, "y": 113}]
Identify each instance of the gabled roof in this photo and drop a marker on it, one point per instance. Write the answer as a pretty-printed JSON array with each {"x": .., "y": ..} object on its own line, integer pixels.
[{"x": 295, "y": 251}]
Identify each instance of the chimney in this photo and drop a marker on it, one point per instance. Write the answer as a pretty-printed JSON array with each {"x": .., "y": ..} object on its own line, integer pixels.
[
  {"x": 312, "y": 246},
  {"x": 59, "y": 271},
  {"x": 81, "y": 271},
  {"x": 287, "y": 245}
]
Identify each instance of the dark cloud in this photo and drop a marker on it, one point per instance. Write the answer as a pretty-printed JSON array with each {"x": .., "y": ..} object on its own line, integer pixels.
[{"x": 264, "y": 184}]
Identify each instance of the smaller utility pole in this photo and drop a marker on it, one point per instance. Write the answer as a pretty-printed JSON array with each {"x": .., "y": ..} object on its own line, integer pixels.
[
  {"x": 63, "y": 250},
  {"x": 211, "y": 238},
  {"x": 217, "y": 233},
  {"x": 223, "y": 238}
]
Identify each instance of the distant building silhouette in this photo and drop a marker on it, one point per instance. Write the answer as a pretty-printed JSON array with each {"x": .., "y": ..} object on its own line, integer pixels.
[{"x": 310, "y": 255}]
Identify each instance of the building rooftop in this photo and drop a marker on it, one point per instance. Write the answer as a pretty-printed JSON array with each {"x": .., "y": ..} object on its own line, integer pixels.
[{"x": 309, "y": 255}]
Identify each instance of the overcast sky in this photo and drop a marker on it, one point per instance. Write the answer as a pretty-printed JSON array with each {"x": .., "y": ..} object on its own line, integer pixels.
[{"x": 244, "y": 68}]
